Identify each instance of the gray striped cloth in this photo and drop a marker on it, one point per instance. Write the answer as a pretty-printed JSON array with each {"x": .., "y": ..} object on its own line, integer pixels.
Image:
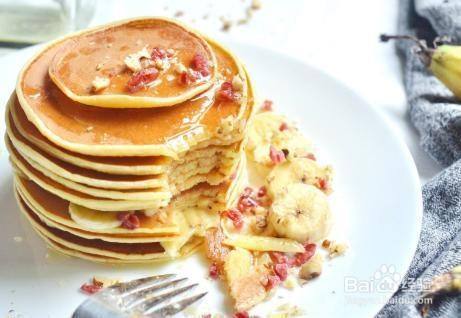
[{"x": 437, "y": 117}]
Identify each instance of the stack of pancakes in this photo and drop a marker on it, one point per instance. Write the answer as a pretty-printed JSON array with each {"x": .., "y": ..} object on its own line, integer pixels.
[{"x": 115, "y": 164}]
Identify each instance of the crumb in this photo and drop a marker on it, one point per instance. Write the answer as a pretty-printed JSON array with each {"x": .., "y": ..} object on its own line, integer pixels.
[
  {"x": 100, "y": 83},
  {"x": 104, "y": 281},
  {"x": 18, "y": 239},
  {"x": 133, "y": 61},
  {"x": 178, "y": 14},
  {"x": 226, "y": 24},
  {"x": 99, "y": 66},
  {"x": 336, "y": 248},
  {"x": 256, "y": 4}
]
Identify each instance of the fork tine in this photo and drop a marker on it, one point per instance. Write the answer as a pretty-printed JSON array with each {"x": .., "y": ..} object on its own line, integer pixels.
[
  {"x": 148, "y": 303},
  {"x": 131, "y": 286},
  {"x": 174, "y": 308},
  {"x": 141, "y": 294}
]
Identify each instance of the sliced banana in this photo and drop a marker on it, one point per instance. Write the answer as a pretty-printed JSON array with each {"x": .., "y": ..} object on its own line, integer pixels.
[
  {"x": 93, "y": 219},
  {"x": 301, "y": 213},
  {"x": 201, "y": 219},
  {"x": 263, "y": 243},
  {"x": 297, "y": 170},
  {"x": 266, "y": 131}
]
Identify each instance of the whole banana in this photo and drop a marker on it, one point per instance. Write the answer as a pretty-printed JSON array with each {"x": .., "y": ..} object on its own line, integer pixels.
[{"x": 444, "y": 61}]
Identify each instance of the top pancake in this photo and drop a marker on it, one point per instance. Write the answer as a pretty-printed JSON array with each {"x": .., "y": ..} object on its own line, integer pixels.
[
  {"x": 100, "y": 131},
  {"x": 101, "y": 52}
]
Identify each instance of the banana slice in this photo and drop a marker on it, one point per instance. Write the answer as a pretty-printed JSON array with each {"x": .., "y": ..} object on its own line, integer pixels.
[
  {"x": 93, "y": 219},
  {"x": 271, "y": 129},
  {"x": 297, "y": 170},
  {"x": 263, "y": 243},
  {"x": 201, "y": 219},
  {"x": 301, "y": 213}
]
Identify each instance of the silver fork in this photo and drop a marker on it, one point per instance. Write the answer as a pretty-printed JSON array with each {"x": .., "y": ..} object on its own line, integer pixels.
[{"x": 155, "y": 296}]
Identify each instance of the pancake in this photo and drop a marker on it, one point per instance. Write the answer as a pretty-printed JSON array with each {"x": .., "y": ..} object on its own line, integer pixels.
[
  {"x": 57, "y": 209},
  {"x": 130, "y": 132},
  {"x": 117, "y": 165},
  {"x": 34, "y": 170},
  {"x": 132, "y": 252},
  {"x": 102, "y": 52}
]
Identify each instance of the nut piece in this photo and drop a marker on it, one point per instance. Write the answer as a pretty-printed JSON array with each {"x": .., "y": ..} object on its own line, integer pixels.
[
  {"x": 313, "y": 267},
  {"x": 100, "y": 83},
  {"x": 336, "y": 249},
  {"x": 237, "y": 83},
  {"x": 133, "y": 61}
]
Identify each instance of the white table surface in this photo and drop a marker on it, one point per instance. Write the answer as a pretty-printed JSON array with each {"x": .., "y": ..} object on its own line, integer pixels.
[{"x": 338, "y": 36}]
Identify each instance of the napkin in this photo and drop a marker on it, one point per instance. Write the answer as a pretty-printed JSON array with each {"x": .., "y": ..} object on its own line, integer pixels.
[{"x": 437, "y": 117}]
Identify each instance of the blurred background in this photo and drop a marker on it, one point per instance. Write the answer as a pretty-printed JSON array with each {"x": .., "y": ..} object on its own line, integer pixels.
[{"x": 338, "y": 36}]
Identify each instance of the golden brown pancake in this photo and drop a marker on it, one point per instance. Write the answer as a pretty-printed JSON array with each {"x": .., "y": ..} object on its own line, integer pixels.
[
  {"x": 101, "y": 52},
  {"x": 125, "y": 132}
]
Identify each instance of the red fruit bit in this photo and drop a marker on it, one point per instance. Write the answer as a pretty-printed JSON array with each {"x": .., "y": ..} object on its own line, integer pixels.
[
  {"x": 323, "y": 184},
  {"x": 278, "y": 257},
  {"x": 187, "y": 78},
  {"x": 214, "y": 271},
  {"x": 248, "y": 191},
  {"x": 240, "y": 314},
  {"x": 140, "y": 79},
  {"x": 200, "y": 64},
  {"x": 301, "y": 258},
  {"x": 235, "y": 216},
  {"x": 129, "y": 220},
  {"x": 277, "y": 156},
  {"x": 281, "y": 270},
  {"x": 158, "y": 53},
  {"x": 311, "y": 156},
  {"x": 246, "y": 203},
  {"x": 283, "y": 127},
  {"x": 272, "y": 281},
  {"x": 267, "y": 105},
  {"x": 226, "y": 92},
  {"x": 262, "y": 192},
  {"x": 90, "y": 289}
]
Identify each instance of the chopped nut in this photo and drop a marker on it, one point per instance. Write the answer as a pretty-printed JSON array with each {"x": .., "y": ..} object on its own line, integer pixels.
[
  {"x": 312, "y": 268},
  {"x": 336, "y": 249},
  {"x": 90, "y": 128},
  {"x": 226, "y": 24},
  {"x": 237, "y": 83},
  {"x": 133, "y": 61},
  {"x": 179, "y": 68},
  {"x": 326, "y": 243},
  {"x": 104, "y": 281},
  {"x": 99, "y": 66},
  {"x": 256, "y": 4},
  {"x": 178, "y": 14},
  {"x": 100, "y": 83}
]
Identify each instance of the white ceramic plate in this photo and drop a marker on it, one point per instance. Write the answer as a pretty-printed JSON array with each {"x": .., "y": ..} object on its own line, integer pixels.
[{"x": 377, "y": 204}]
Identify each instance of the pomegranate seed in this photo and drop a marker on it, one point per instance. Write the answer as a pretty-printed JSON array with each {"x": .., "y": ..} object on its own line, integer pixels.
[
  {"x": 246, "y": 203},
  {"x": 277, "y": 156},
  {"x": 158, "y": 53},
  {"x": 283, "y": 127},
  {"x": 240, "y": 314},
  {"x": 90, "y": 289},
  {"x": 129, "y": 220},
  {"x": 140, "y": 79},
  {"x": 301, "y": 258},
  {"x": 323, "y": 184},
  {"x": 200, "y": 64},
  {"x": 278, "y": 257},
  {"x": 281, "y": 270},
  {"x": 187, "y": 78},
  {"x": 267, "y": 105},
  {"x": 248, "y": 191},
  {"x": 214, "y": 271},
  {"x": 272, "y": 281},
  {"x": 226, "y": 92},
  {"x": 235, "y": 216},
  {"x": 262, "y": 192}
]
